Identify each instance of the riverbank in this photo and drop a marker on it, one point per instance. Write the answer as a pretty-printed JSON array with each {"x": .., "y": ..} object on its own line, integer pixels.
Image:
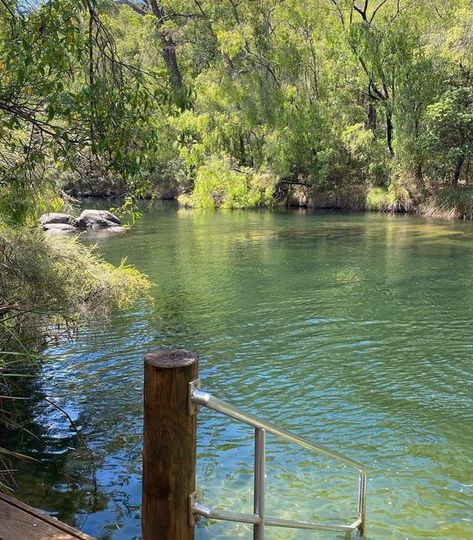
[{"x": 446, "y": 203}]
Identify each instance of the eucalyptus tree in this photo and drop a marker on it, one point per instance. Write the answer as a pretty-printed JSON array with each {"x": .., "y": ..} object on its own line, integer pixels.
[
  {"x": 65, "y": 98},
  {"x": 327, "y": 93},
  {"x": 448, "y": 139},
  {"x": 164, "y": 31}
]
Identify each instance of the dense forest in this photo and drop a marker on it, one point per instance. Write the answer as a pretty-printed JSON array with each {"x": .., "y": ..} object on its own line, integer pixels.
[{"x": 238, "y": 103}]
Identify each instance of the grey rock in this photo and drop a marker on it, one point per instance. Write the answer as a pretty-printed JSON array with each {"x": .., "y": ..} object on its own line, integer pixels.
[
  {"x": 58, "y": 228},
  {"x": 55, "y": 217},
  {"x": 96, "y": 219}
]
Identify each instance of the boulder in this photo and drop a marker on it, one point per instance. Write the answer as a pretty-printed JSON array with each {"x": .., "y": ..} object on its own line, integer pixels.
[
  {"x": 55, "y": 217},
  {"x": 96, "y": 218},
  {"x": 118, "y": 229},
  {"x": 58, "y": 228},
  {"x": 103, "y": 231}
]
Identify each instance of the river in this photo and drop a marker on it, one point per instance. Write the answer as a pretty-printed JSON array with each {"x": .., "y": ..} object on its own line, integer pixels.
[{"x": 353, "y": 330}]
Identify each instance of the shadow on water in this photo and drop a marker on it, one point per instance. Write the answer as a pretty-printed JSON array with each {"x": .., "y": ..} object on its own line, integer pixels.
[{"x": 61, "y": 466}]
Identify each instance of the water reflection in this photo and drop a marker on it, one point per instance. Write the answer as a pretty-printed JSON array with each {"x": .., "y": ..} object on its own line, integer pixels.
[{"x": 50, "y": 436}]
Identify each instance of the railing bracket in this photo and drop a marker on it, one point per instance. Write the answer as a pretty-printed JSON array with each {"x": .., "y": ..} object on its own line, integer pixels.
[
  {"x": 193, "y": 517},
  {"x": 191, "y": 405}
]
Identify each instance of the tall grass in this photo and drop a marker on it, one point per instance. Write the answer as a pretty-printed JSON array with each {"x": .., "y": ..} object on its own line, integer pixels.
[
  {"x": 48, "y": 286},
  {"x": 450, "y": 203},
  {"x": 389, "y": 199},
  {"x": 11, "y": 374},
  {"x": 49, "y": 280}
]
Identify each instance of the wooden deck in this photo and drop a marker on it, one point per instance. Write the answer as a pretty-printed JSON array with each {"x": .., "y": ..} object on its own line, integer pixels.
[{"x": 18, "y": 521}]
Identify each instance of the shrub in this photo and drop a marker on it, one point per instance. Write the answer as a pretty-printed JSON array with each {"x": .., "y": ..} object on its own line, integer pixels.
[
  {"x": 49, "y": 279},
  {"x": 219, "y": 185},
  {"x": 395, "y": 198},
  {"x": 47, "y": 286}
]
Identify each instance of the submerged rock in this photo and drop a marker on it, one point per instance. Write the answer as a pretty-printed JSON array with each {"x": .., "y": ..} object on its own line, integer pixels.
[
  {"x": 56, "y": 217},
  {"x": 101, "y": 231},
  {"x": 118, "y": 229},
  {"x": 58, "y": 228}
]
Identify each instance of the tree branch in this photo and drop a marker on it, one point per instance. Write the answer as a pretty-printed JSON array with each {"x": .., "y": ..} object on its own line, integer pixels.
[
  {"x": 381, "y": 4},
  {"x": 339, "y": 11},
  {"x": 362, "y": 12},
  {"x": 130, "y": 4}
]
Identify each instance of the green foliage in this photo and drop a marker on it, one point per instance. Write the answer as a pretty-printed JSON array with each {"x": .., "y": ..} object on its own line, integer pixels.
[
  {"x": 48, "y": 280},
  {"x": 142, "y": 97},
  {"x": 48, "y": 285},
  {"x": 64, "y": 97},
  {"x": 333, "y": 97},
  {"x": 219, "y": 185},
  {"x": 449, "y": 134},
  {"x": 368, "y": 159},
  {"x": 394, "y": 198},
  {"x": 450, "y": 203}
]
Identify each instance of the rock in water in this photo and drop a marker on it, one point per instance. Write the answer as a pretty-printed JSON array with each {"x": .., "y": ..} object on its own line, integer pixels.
[
  {"x": 96, "y": 218},
  {"x": 58, "y": 228},
  {"x": 55, "y": 217}
]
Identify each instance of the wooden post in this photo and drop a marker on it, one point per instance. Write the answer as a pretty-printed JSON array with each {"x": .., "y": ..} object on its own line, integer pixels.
[{"x": 169, "y": 447}]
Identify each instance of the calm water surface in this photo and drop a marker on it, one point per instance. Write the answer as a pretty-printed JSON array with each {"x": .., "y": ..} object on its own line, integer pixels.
[{"x": 352, "y": 330}]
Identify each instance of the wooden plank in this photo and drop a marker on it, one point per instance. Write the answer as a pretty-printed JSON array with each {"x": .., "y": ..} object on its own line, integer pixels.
[{"x": 18, "y": 521}]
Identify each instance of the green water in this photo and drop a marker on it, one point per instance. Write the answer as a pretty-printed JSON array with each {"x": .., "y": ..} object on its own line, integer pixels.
[{"x": 352, "y": 330}]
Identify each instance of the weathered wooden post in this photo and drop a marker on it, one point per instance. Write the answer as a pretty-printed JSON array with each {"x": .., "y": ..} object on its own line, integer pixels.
[{"x": 169, "y": 446}]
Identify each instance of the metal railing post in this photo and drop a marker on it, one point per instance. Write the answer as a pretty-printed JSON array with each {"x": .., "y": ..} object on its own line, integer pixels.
[
  {"x": 259, "y": 488},
  {"x": 362, "y": 502},
  {"x": 258, "y": 519}
]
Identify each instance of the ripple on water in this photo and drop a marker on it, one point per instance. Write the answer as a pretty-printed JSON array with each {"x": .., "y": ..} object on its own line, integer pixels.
[{"x": 351, "y": 330}]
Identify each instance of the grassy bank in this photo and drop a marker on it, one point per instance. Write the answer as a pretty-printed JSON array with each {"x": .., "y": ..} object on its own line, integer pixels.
[{"x": 446, "y": 203}]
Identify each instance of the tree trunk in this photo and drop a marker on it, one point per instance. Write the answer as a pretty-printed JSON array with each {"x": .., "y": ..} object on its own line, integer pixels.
[
  {"x": 170, "y": 58},
  {"x": 389, "y": 132},
  {"x": 242, "y": 150},
  {"x": 419, "y": 176},
  {"x": 168, "y": 45},
  {"x": 169, "y": 49},
  {"x": 458, "y": 170},
  {"x": 372, "y": 119}
]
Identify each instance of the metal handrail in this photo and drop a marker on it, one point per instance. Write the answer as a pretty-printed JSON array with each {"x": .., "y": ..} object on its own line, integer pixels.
[{"x": 258, "y": 519}]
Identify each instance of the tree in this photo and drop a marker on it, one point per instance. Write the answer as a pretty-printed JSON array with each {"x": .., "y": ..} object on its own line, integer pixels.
[
  {"x": 450, "y": 128},
  {"x": 166, "y": 40},
  {"x": 64, "y": 96}
]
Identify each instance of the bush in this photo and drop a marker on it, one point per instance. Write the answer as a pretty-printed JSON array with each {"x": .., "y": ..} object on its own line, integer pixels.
[
  {"x": 219, "y": 185},
  {"x": 47, "y": 286},
  {"x": 394, "y": 198},
  {"x": 450, "y": 203},
  {"x": 48, "y": 279}
]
